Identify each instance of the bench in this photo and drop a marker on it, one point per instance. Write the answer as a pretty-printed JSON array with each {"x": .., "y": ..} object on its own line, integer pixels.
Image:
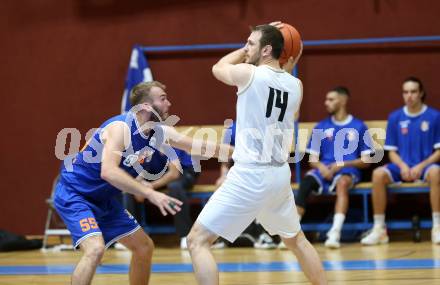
[{"x": 201, "y": 193}]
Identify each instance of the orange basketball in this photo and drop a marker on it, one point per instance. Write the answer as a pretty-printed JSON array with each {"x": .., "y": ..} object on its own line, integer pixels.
[{"x": 292, "y": 43}]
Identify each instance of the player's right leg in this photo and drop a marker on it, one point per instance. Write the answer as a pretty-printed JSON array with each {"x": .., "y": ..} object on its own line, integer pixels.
[
  {"x": 227, "y": 214},
  {"x": 76, "y": 212},
  {"x": 307, "y": 257},
  {"x": 199, "y": 241},
  {"x": 93, "y": 249},
  {"x": 382, "y": 176}
]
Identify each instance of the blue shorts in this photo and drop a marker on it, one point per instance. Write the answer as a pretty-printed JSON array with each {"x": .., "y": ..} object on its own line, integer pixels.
[
  {"x": 85, "y": 218},
  {"x": 329, "y": 186},
  {"x": 393, "y": 172}
]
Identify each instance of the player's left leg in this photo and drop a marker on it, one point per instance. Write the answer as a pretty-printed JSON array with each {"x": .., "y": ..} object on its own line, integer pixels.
[
  {"x": 118, "y": 225},
  {"x": 141, "y": 246},
  {"x": 279, "y": 216},
  {"x": 307, "y": 257},
  {"x": 199, "y": 241},
  {"x": 433, "y": 178},
  {"x": 343, "y": 185}
]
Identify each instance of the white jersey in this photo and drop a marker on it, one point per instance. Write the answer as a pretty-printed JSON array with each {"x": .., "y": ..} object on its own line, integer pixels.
[{"x": 266, "y": 110}]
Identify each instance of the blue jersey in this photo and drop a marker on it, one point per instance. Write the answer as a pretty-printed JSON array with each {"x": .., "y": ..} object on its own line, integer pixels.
[
  {"x": 413, "y": 136},
  {"x": 340, "y": 141},
  {"x": 141, "y": 155},
  {"x": 231, "y": 129},
  {"x": 184, "y": 158}
]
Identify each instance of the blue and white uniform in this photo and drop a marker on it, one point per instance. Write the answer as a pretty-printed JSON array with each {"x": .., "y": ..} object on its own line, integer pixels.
[
  {"x": 414, "y": 137},
  {"x": 87, "y": 203},
  {"x": 335, "y": 141}
]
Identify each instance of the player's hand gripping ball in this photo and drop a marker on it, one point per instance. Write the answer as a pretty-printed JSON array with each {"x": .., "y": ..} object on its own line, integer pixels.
[{"x": 292, "y": 43}]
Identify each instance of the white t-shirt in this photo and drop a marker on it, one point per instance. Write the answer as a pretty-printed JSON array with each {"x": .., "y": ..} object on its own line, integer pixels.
[{"x": 266, "y": 110}]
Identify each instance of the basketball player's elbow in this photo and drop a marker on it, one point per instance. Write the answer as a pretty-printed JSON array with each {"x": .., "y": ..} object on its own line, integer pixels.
[
  {"x": 107, "y": 172},
  {"x": 174, "y": 175},
  {"x": 215, "y": 70},
  {"x": 218, "y": 71}
]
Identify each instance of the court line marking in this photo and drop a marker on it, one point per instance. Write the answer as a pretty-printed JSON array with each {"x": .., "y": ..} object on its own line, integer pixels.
[{"x": 344, "y": 265}]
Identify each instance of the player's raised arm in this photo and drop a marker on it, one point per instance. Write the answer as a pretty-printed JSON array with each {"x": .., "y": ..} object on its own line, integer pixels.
[
  {"x": 231, "y": 70},
  {"x": 115, "y": 138}
]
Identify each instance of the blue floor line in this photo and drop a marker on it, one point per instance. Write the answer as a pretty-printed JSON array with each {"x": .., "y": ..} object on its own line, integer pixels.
[{"x": 389, "y": 264}]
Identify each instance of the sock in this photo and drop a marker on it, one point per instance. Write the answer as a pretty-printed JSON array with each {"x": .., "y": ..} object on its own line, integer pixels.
[
  {"x": 435, "y": 219},
  {"x": 338, "y": 221},
  {"x": 379, "y": 221}
]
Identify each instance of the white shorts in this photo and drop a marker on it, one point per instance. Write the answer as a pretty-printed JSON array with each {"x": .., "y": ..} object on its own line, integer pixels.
[{"x": 259, "y": 192}]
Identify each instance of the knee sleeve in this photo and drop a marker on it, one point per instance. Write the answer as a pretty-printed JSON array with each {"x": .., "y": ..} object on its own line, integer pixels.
[{"x": 306, "y": 187}]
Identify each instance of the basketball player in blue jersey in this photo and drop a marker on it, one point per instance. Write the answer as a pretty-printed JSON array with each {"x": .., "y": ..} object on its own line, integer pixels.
[
  {"x": 413, "y": 145},
  {"x": 117, "y": 153},
  {"x": 329, "y": 144},
  {"x": 258, "y": 185}
]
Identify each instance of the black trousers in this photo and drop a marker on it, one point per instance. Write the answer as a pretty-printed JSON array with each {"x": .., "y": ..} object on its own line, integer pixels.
[{"x": 179, "y": 190}]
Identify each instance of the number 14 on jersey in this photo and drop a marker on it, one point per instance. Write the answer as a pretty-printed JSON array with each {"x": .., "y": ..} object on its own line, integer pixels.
[{"x": 280, "y": 102}]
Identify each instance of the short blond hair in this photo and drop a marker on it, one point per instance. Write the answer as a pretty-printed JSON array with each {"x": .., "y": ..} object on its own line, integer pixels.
[{"x": 141, "y": 92}]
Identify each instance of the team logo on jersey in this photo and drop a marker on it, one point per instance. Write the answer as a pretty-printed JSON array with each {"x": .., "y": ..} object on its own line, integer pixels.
[
  {"x": 329, "y": 133},
  {"x": 145, "y": 156},
  {"x": 131, "y": 159},
  {"x": 153, "y": 142},
  {"x": 424, "y": 126},
  {"x": 404, "y": 127}
]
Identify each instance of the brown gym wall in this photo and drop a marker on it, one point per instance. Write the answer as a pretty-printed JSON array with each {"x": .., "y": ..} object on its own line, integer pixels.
[{"x": 64, "y": 64}]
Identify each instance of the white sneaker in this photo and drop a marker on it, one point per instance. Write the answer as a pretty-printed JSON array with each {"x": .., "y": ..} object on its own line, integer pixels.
[
  {"x": 282, "y": 245},
  {"x": 333, "y": 237},
  {"x": 120, "y": 246},
  {"x": 375, "y": 236},
  {"x": 264, "y": 242},
  {"x": 435, "y": 235},
  {"x": 183, "y": 244}
]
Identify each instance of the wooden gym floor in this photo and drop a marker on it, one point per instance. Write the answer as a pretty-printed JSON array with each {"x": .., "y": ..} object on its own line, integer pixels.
[{"x": 395, "y": 263}]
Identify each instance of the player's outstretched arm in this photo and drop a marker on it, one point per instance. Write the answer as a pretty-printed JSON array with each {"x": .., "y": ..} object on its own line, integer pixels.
[
  {"x": 198, "y": 147},
  {"x": 115, "y": 138}
]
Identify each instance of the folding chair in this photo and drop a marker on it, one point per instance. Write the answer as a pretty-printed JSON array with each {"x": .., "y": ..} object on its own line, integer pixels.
[{"x": 51, "y": 215}]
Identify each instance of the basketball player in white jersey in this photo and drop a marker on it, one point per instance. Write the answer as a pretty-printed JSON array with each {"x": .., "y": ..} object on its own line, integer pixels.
[{"x": 258, "y": 185}]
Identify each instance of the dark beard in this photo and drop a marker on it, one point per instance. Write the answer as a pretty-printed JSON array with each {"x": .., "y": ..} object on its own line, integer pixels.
[
  {"x": 154, "y": 115},
  {"x": 254, "y": 62}
]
